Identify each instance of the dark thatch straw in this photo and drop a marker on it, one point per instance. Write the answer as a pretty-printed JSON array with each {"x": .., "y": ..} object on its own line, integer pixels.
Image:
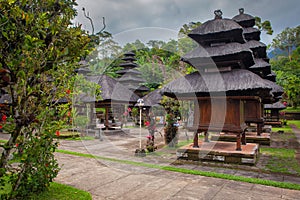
[
  {"x": 128, "y": 65},
  {"x": 251, "y": 33},
  {"x": 271, "y": 76},
  {"x": 276, "y": 89},
  {"x": 128, "y": 78},
  {"x": 236, "y": 80},
  {"x": 260, "y": 63},
  {"x": 129, "y": 71},
  {"x": 153, "y": 98},
  {"x": 112, "y": 89},
  {"x": 222, "y": 30},
  {"x": 243, "y": 19},
  {"x": 234, "y": 52}
]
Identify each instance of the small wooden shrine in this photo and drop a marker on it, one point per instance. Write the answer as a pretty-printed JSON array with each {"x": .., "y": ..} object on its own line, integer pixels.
[
  {"x": 114, "y": 96},
  {"x": 272, "y": 113},
  {"x": 130, "y": 77},
  {"x": 221, "y": 89}
]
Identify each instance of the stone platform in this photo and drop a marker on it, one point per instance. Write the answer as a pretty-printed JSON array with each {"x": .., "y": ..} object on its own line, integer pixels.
[
  {"x": 251, "y": 137},
  {"x": 219, "y": 151}
]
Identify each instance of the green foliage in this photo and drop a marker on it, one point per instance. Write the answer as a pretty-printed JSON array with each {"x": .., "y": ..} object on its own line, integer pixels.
[
  {"x": 158, "y": 60},
  {"x": 287, "y": 40},
  {"x": 40, "y": 50},
  {"x": 264, "y": 26},
  {"x": 295, "y": 122},
  {"x": 55, "y": 191},
  {"x": 187, "y": 28},
  {"x": 60, "y": 191},
  {"x": 291, "y": 85},
  {"x": 171, "y": 107},
  {"x": 288, "y": 75},
  {"x": 286, "y": 129}
]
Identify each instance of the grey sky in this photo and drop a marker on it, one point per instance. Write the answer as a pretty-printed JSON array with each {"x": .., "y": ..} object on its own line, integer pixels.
[{"x": 134, "y": 18}]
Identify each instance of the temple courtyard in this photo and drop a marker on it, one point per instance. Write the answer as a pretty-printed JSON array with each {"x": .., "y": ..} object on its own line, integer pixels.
[{"x": 116, "y": 173}]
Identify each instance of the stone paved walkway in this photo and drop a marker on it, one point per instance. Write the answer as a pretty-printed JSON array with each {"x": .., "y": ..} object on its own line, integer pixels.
[
  {"x": 107, "y": 182},
  {"x": 114, "y": 180}
]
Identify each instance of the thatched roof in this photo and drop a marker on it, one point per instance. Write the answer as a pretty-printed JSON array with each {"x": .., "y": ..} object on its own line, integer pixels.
[
  {"x": 276, "y": 89},
  {"x": 129, "y": 71},
  {"x": 261, "y": 64},
  {"x": 251, "y": 33},
  {"x": 258, "y": 48},
  {"x": 236, "y": 82},
  {"x": 153, "y": 98},
  {"x": 218, "y": 30},
  {"x": 129, "y": 78},
  {"x": 83, "y": 70},
  {"x": 130, "y": 53},
  {"x": 230, "y": 54},
  {"x": 271, "y": 76},
  {"x": 142, "y": 88},
  {"x": 111, "y": 90},
  {"x": 275, "y": 106},
  {"x": 128, "y": 65},
  {"x": 243, "y": 19},
  {"x": 129, "y": 58}
]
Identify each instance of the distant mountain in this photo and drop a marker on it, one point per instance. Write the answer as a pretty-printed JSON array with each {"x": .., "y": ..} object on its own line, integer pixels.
[{"x": 276, "y": 52}]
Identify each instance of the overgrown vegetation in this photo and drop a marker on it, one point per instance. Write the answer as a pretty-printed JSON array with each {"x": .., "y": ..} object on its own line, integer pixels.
[{"x": 39, "y": 52}]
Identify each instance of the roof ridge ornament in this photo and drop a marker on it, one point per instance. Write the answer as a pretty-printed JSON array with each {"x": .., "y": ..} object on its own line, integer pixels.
[
  {"x": 241, "y": 10},
  {"x": 218, "y": 14}
]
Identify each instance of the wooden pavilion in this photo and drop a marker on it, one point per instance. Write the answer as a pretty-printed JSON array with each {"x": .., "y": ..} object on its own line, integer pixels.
[
  {"x": 114, "y": 96},
  {"x": 223, "y": 84},
  {"x": 272, "y": 113}
]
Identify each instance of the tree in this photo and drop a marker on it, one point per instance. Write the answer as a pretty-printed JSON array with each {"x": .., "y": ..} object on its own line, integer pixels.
[
  {"x": 187, "y": 28},
  {"x": 39, "y": 51},
  {"x": 291, "y": 84},
  {"x": 287, "y": 40},
  {"x": 264, "y": 26}
]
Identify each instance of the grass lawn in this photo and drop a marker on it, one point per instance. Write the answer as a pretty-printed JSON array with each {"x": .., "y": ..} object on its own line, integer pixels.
[
  {"x": 60, "y": 191},
  {"x": 281, "y": 160},
  {"x": 295, "y": 122},
  {"x": 291, "y": 109},
  {"x": 286, "y": 129},
  {"x": 56, "y": 191}
]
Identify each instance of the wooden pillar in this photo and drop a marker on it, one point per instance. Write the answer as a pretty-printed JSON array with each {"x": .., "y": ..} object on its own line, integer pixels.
[
  {"x": 244, "y": 138},
  {"x": 238, "y": 142},
  {"x": 259, "y": 128},
  {"x": 106, "y": 118},
  {"x": 196, "y": 145},
  {"x": 206, "y": 136}
]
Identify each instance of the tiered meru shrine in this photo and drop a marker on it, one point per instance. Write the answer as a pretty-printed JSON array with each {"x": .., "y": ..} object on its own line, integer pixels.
[{"x": 229, "y": 88}]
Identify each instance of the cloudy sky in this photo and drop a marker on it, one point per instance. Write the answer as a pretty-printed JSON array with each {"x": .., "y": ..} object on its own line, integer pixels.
[{"x": 129, "y": 20}]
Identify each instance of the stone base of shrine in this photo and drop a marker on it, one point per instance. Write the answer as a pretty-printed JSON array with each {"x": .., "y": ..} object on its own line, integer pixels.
[
  {"x": 251, "y": 137},
  {"x": 116, "y": 131},
  {"x": 219, "y": 151}
]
